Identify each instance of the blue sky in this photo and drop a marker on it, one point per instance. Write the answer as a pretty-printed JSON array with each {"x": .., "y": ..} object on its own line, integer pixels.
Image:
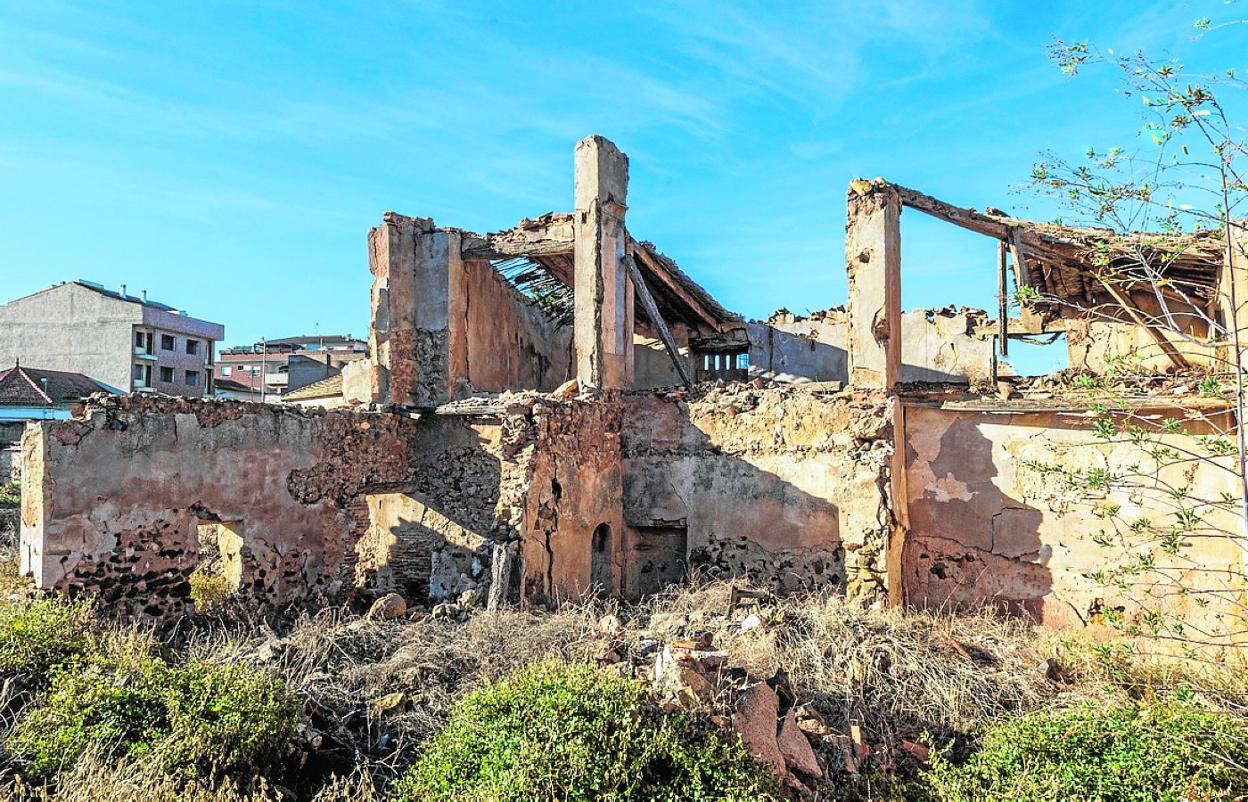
[{"x": 229, "y": 157}]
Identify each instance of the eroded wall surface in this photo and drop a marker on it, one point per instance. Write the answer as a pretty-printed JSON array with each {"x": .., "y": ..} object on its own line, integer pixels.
[
  {"x": 575, "y": 483},
  {"x": 938, "y": 345},
  {"x": 783, "y": 486},
  {"x": 985, "y": 527},
  {"x": 117, "y": 500},
  {"x": 791, "y": 348},
  {"x": 507, "y": 343},
  {"x": 128, "y": 502}
]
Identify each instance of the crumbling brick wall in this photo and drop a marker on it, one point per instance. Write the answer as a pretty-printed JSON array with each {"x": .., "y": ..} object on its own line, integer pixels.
[
  {"x": 506, "y": 342},
  {"x": 120, "y": 499},
  {"x": 117, "y": 502},
  {"x": 784, "y": 486},
  {"x": 574, "y": 488},
  {"x": 129, "y": 501}
]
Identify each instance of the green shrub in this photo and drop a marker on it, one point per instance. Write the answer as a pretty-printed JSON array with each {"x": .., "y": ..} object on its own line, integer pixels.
[
  {"x": 202, "y": 720},
  {"x": 36, "y": 636},
  {"x": 228, "y": 719},
  {"x": 208, "y": 590},
  {"x": 1161, "y": 751},
  {"x": 111, "y": 699},
  {"x": 574, "y": 732}
]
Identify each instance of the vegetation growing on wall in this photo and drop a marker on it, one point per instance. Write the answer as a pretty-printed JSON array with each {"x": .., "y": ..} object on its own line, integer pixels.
[{"x": 1163, "y": 504}]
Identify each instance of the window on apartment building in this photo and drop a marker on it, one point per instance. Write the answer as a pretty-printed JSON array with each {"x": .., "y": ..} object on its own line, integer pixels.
[
  {"x": 166, "y": 342},
  {"x": 192, "y": 346},
  {"x": 142, "y": 375},
  {"x": 166, "y": 375},
  {"x": 225, "y": 370},
  {"x": 143, "y": 341},
  {"x": 192, "y": 378}
]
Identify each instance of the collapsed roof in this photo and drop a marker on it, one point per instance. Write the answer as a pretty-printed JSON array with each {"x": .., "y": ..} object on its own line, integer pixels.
[
  {"x": 1072, "y": 265},
  {"x": 546, "y": 242}
]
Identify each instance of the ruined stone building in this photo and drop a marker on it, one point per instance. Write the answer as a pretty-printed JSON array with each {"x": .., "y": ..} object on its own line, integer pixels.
[{"x": 556, "y": 408}]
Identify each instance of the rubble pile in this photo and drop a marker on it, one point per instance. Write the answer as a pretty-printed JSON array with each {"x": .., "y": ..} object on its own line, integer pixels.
[{"x": 697, "y": 675}]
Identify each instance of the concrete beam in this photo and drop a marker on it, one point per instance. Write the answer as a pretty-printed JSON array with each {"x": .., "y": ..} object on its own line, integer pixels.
[
  {"x": 603, "y": 319},
  {"x": 873, "y": 266}
]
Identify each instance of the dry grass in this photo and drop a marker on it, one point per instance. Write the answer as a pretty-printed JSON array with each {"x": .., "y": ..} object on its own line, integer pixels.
[
  {"x": 902, "y": 674},
  {"x": 896, "y": 673},
  {"x": 92, "y": 779},
  {"x": 375, "y": 691}
]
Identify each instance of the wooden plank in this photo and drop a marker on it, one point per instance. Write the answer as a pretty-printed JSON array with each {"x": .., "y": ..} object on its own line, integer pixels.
[
  {"x": 548, "y": 235},
  {"x": 1003, "y": 314},
  {"x": 652, "y": 310},
  {"x": 1017, "y": 255},
  {"x": 1134, "y": 311},
  {"x": 673, "y": 286}
]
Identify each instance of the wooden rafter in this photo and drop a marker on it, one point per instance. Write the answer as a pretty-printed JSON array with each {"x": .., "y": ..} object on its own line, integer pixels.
[{"x": 1137, "y": 315}]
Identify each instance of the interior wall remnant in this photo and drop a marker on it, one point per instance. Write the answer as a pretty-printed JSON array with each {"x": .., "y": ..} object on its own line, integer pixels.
[
  {"x": 783, "y": 486},
  {"x": 793, "y": 348},
  {"x": 445, "y": 327},
  {"x": 507, "y": 342},
  {"x": 947, "y": 345},
  {"x": 938, "y": 345},
  {"x": 1110, "y": 339},
  {"x": 417, "y": 272},
  {"x": 603, "y": 317},
  {"x": 652, "y": 365},
  {"x": 986, "y": 529},
  {"x": 873, "y": 267}
]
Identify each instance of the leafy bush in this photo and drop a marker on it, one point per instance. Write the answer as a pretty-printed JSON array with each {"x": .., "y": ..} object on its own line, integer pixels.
[
  {"x": 204, "y": 720},
  {"x": 111, "y": 699},
  {"x": 228, "y": 719},
  {"x": 559, "y": 731},
  {"x": 36, "y": 636},
  {"x": 10, "y": 494},
  {"x": 208, "y": 590},
  {"x": 1133, "y": 752}
]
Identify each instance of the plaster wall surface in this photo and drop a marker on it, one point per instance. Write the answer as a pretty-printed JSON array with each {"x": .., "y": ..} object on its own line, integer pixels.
[
  {"x": 574, "y": 486},
  {"x": 986, "y": 528},
  {"x": 507, "y": 342},
  {"x": 937, "y": 346}
]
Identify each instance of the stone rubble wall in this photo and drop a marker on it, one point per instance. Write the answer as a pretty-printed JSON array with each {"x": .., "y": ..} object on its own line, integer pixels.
[
  {"x": 115, "y": 503},
  {"x": 782, "y": 486}
]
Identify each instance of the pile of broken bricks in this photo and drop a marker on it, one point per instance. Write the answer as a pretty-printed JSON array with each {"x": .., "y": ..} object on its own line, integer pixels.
[{"x": 694, "y": 676}]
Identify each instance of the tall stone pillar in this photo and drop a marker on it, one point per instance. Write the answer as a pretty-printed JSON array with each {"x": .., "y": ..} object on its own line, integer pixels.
[
  {"x": 873, "y": 265},
  {"x": 417, "y": 284},
  {"x": 603, "y": 320}
]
